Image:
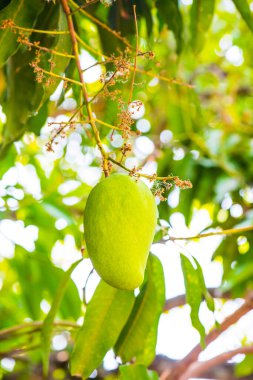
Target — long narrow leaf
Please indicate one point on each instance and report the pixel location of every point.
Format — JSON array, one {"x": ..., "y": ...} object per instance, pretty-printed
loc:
[
  {"x": 47, "y": 328},
  {"x": 201, "y": 17},
  {"x": 244, "y": 9},
  {"x": 208, "y": 298},
  {"x": 193, "y": 294},
  {"x": 138, "y": 338},
  {"x": 105, "y": 317},
  {"x": 169, "y": 14},
  {"x": 22, "y": 13}
]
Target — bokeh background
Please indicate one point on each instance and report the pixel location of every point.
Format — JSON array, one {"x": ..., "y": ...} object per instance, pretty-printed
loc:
[{"x": 202, "y": 132}]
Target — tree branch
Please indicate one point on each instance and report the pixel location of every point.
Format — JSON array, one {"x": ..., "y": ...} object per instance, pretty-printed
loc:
[
  {"x": 183, "y": 184},
  {"x": 199, "y": 368},
  {"x": 192, "y": 357}
]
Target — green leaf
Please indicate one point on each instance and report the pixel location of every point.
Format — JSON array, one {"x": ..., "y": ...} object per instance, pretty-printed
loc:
[
  {"x": 47, "y": 328},
  {"x": 36, "y": 122},
  {"x": 39, "y": 279},
  {"x": 193, "y": 294},
  {"x": 168, "y": 13},
  {"x": 25, "y": 96},
  {"x": 106, "y": 314},
  {"x": 62, "y": 44},
  {"x": 238, "y": 275},
  {"x": 244, "y": 9},
  {"x": 201, "y": 17},
  {"x": 22, "y": 13},
  {"x": 133, "y": 372},
  {"x": 138, "y": 338},
  {"x": 208, "y": 298}
]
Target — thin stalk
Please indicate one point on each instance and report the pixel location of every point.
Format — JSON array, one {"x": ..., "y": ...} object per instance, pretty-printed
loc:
[
  {"x": 135, "y": 56},
  {"x": 84, "y": 90},
  {"x": 230, "y": 231}
]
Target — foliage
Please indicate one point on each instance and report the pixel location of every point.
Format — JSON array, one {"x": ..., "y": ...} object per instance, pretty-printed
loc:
[{"x": 158, "y": 89}]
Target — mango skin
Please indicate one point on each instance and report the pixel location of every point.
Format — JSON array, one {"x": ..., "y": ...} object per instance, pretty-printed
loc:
[{"x": 120, "y": 218}]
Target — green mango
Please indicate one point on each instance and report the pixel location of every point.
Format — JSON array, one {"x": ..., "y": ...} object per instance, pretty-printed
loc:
[{"x": 120, "y": 218}]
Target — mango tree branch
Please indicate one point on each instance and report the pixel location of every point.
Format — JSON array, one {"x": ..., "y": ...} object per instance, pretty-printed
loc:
[
  {"x": 12, "y": 25},
  {"x": 199, "y": 368},
  {"x": 84, "y": 90},
  {"x": 192, "y": 357},
  {"x": 50, "y": 73},
  {"x": 84, "y": 6},
  {"x": 137, "y": 69},
  {"x": 153, "y": 177},
  {"x": 43, "y": 48}
]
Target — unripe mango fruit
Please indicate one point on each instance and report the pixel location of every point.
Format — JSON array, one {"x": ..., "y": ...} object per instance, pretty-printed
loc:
[{"x": 119, "y": 224}]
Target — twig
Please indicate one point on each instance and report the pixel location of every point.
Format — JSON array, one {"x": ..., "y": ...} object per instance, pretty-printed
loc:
[
  {"x": 63, "y": 125},
  {"x": 12, "y": 25},
  {"x": 18, "y": 351},
  {"x": 138, "y": 70},
  {"x": 192, "y": 357},
  {"x": 103, "y": 88},
  {"x": 84, "y": 90},
  {"x": 9, "y": 331},
  {"x": 106, "y": 124},
  {"x": 230, "y": 231},
  {"x": 135, "y": 56},
  {"x": 65, "y": 79},
  {"x": 198, "y": 368},
  {"x": 164, "y": 79},
  {"x": 89, "y": 48},
  {"x": 153, "y": 177},
  {"x": 43, "y": 48},
  {"x": 84, "y": 6},
  {"x": 113, "y": 59}
]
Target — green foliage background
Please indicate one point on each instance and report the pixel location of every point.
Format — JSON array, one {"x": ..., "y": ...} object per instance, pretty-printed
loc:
[{"x": 208, "y": 116}]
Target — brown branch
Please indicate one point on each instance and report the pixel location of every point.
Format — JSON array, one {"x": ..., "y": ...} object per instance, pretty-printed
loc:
[
  {"x": 192, "y": 357},
  {"x": 198, "y": 368}
]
